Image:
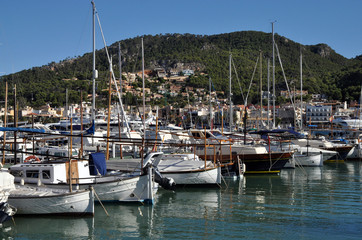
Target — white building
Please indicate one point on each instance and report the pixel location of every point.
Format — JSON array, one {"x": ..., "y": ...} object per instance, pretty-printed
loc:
[{"x": 318, "y": 114}]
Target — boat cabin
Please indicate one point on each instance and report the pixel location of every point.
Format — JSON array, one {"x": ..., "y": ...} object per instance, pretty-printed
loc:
[{"x": 52, "y": 172}]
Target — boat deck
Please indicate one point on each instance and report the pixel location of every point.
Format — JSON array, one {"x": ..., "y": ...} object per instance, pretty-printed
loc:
[
  {"x": 126, "y": 165},
  {"x": 164, "y": 165}
]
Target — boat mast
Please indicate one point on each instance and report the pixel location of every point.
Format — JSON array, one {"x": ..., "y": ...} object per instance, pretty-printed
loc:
[
  {"x": 66, "y": 104},
  {"x": 273, "y": 74},
  {"x": 5, "y": 120},
  {"x": 301, "y": 90},
  {"x": 109, "y": 109},
  {"x": 231, "y": 103},
  {"x": 268, "y": 94},
  {"x": 360, "y": 104},
  {"x": 143, "y": 89},
  {"x": 190, "y": 112},
  {"x": 144, "y": 105},
  {"x": 120, "y": 73},
  {"x": 261, "y": 89},
  {"x": 95, "y": 73},
  {"x": 15, "y": 123},
  {"x": 210, "y": 107}
]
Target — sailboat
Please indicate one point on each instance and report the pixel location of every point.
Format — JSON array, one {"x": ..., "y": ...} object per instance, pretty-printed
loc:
[{"x": 110, "y": 186}]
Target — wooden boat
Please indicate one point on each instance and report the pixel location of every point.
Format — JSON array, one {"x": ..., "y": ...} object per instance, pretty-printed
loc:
[
  {"x": 110, "y": 186},
  {"x": 47, "y": 201},
  {"x": 188, "y": 169},
  {"x": 257, "y": 159},
  {"x": 183, "y": 169}
]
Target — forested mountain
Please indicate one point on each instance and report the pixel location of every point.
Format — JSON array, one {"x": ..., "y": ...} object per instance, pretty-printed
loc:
[{"x": 324, "y": 71}]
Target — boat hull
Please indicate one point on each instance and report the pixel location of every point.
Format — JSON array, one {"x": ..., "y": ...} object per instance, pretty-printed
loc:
[
  {"x": 264, "y": 163},
  {"x": 33, "y": 202},
  {"x": 308, "y": 160},
  {"x": 134, "y": 189},
  {"x": 117, "y": 187},
  {"x": 343, "y": 152},
  {"x": 209, "y": 176},
  {"x": 6, "y": 212}
]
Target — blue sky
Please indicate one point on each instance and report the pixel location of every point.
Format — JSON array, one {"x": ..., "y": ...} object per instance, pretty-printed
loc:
[{"x": 37, "y": 32}]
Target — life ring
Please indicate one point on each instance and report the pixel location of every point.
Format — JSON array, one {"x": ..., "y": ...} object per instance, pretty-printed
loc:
[{"x": 31, "y": 158}]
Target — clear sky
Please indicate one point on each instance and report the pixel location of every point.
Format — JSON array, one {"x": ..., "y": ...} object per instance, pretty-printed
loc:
[{"x": 37, "y": 32}]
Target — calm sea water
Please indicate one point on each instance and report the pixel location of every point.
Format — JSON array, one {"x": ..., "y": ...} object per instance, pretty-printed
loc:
[{"x": 309, "y": 203}]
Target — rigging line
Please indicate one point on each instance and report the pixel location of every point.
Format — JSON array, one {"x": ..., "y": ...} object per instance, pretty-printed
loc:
[
  {"x": 104, "y": 41},
  {"x": 251, "y": 81},
  {"x": 285, "y": 79},
  {"x": 237, "y": 77},
  {"x": 113, "y": 76}
]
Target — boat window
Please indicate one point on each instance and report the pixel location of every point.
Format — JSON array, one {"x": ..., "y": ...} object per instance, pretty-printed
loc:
[
  {"x": 196, "y": 135},
  {"x": 208, "y": 135},
  {"x": 216, "y": 133},
  {"x": 46, "y": 174},
  {"x": 32, "y": 173},
  {"x": 16, "y": 173}
]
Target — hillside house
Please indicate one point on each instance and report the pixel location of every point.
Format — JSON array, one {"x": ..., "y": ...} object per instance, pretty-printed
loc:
[{"x": 187, "y": 72}]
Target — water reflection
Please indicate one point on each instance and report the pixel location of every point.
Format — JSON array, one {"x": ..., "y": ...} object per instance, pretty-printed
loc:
[
  {"x": 48, "y": 228},
  {"x": 302, "y": 174},
  {"x": 308, "y": 203},
  {"x": 207, "y": 200},
  {"x": 124, "y": 221}
]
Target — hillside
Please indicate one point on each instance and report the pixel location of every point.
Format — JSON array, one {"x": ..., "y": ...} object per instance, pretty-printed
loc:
[{"x": 324, "y": 71}]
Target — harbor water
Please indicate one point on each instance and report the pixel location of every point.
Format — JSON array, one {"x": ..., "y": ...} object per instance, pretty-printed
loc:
[{"x": 303, "y": 203}]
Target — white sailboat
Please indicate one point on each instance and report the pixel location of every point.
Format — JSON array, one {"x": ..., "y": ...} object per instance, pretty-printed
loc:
[
  {"x": 47, "y": 201},
  {"x": 308, "y": 160},
  {"x": 183, "y": 168},
  {"x": 188, "y": 169},
  {"x": 110, "y": 186}
]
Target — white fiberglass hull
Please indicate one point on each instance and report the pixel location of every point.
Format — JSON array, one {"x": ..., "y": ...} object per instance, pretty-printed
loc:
[
  {"x": 308, "y": 160},
  {"x": 33, "y": 201},
  {"x": 134, "y": 189},
  {"x": 201, "y": 177},
  {"x": 327, "y": 154}
]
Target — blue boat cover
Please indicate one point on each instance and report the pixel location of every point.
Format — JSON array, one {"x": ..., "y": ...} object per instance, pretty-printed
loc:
[
  {"x": 17, "y": 129},
  {"x": 97, "y": 164},
  {"x": 91, "y": 130},
  {"x": 264, "y": 133}
]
